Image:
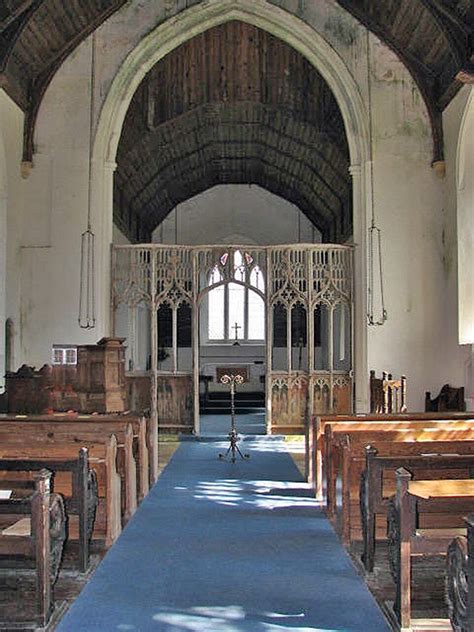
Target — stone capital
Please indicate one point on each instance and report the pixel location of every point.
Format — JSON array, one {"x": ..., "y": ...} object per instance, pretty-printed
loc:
[{"x": 355, "y": 171}]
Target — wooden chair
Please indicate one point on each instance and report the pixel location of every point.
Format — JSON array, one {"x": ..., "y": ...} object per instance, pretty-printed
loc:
[
  {"x": 387, "y": 395},
  {"x": 449, "y": 398}
]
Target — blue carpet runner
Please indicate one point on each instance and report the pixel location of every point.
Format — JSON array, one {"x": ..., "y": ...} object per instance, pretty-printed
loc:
[
  {"x": 249, "y": 424},
  {"x": 222, "y": 547}
]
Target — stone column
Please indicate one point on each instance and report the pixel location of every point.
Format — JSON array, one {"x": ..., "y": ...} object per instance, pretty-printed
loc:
[
  {"x": 359, "y": 325},
  {"x": 469, "y": 381},
  {"x": 102, "y": 226},
  {"x": 3, "y": 283}
]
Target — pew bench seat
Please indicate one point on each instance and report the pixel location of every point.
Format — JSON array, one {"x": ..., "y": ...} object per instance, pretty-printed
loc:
[{"x": 34, "y": 526}]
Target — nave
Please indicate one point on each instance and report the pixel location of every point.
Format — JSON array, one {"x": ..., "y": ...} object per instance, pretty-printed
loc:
[{"x": 222, "y": 547}]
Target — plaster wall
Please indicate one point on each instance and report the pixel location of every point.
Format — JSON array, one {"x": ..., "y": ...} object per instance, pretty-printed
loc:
[
  {"x": 118, "y": 237},
  {"x": 238, "y": 214},
  {"x": 11, "y": 227},
  {"x": 407, "y": 195},
  {"x": 458, "y": 190},
  {"x": 408, "y": 208}
]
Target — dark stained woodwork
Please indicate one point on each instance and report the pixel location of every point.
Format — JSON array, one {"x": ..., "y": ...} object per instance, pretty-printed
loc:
[
  {"x": 435, "y": 459},
  {"x": 460, "y": 579},
  {"x": 234, "y": 105},
  {"x": 434, "y": 38},
  {"x": 101, "y": 376},
  {"x": 449, "y": 398},
  {"x": 81, "y": 500}
]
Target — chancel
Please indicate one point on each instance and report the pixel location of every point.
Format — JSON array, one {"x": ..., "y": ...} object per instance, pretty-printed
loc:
[{"x": 277, "y": 191}]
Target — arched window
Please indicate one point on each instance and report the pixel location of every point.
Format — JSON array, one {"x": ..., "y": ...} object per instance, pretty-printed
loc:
[{"x": 236, "y": 312}]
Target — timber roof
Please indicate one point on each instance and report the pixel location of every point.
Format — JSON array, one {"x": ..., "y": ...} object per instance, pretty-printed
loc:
[{"x": 433, "y": 38}]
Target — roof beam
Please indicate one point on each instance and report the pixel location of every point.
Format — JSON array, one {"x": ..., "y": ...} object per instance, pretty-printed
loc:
[
  {"x": 455, "y": 20},
  {"x": 167, "y": 185},
  {"x": 216, "y": 143},
  {"x": 16, "y": 13}
]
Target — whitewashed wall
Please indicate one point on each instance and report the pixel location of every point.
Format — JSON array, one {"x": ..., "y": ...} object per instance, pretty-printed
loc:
[
  {"x": 408, "y": 197},
  {"x": 408, "y": 204},
  {"x": 239, "y": 214},
  {"x": 12, "y": 254},
  {"x": 459, "y": 358}
]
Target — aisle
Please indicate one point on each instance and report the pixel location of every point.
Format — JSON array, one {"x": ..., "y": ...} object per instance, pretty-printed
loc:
[
  {"x": 247, "y": 424},
  {"x": 224, "y": 547}
]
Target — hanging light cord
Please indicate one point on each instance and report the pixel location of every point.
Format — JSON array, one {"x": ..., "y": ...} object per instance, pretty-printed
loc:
[
  {"x": 375, "y": 235},
  {"x": 86, "y": 317}
]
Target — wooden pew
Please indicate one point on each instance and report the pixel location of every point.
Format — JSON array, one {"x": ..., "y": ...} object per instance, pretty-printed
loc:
[
  {"x": 141, "y": 436},
  {"x": 41, "y": 538},
  {"x": 451, "y": 499},
  {"x": 436, "y": 459},
  {"x": 81, "y": 500},
  {"x": 102, "y": 459},
  {"x": 346, "y": 451},
  {"x": 314, "y": 453},
  {"x": 50, "y": 432},
  {"x": 459, "y": 568},
  {"x": 351, "y": 463},
  {"x": 145, "y": 446}
]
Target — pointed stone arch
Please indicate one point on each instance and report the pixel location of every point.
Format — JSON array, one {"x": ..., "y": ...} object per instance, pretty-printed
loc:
[
  {"x": 465, "y": 222},
  {"x": 308, "y": 42}
]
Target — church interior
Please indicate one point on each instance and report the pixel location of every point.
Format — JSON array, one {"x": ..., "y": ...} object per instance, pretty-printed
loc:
[{"x": 237, "y": 303}]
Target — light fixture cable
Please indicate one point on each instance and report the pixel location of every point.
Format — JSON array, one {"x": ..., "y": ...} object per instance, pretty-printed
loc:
[
  {"x": 86, "y": 318},
  {"x": 375, "y": 234}
]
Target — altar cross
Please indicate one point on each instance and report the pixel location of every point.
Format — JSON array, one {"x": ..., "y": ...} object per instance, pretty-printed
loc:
[{"x": 236, "y": 327}]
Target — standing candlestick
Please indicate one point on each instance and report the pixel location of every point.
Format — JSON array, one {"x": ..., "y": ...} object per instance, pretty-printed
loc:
[{"x": 233, "y": 448}]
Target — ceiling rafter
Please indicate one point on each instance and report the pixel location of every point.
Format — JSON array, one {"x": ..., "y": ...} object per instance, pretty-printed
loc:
[
  {"x": 295, "y": 196},
  {"x": 438, "y": 66},
  {"x": 255, "y": 113},
  {"x": 433, "y": 67},
  {"x": 314, "y": 154},
  {"x": 41, "y": 82},
  {"x": 165, "y": 182},
  {"x": 19, "y": 9},
  {"x": 305, "y": 135}
]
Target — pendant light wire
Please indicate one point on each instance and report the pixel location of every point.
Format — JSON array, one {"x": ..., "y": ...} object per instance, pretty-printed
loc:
[
  {"x": 86, "y": 317},
  {"x": 375, "y": 234}
]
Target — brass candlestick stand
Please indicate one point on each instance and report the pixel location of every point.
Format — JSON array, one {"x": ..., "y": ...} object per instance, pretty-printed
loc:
[{"x": 233, "y": 448}]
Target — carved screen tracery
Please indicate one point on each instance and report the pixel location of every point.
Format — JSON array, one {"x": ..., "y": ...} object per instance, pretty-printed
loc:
[{"x": 311, "y": 284}]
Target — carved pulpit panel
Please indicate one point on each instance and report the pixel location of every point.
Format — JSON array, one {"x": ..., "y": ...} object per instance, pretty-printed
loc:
[{"x": 101, "y": 376}]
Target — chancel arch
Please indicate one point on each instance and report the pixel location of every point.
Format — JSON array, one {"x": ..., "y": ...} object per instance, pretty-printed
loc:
[
  {"x": 319, "y": 54},
  {"x": 465, "y": 223}
]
